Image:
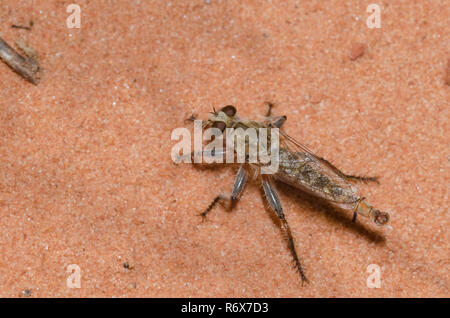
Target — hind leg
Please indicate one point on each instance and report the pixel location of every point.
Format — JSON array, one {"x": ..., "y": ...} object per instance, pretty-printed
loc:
[
  {"x": 275, "y": 205},
  {"x": 349, "y": 176},
  {"x": 361, "y": 178}
]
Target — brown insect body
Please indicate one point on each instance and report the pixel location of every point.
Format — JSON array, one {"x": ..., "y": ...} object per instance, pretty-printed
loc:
[
  {"x": 302, "y": 169},
  {"x": 298, "y": 167}
]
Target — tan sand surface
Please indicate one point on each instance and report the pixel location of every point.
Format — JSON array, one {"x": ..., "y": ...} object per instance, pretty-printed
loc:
[{"x": 86, "y": 176}]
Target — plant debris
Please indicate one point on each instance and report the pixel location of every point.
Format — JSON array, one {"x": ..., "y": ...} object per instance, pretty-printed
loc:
[{"x": 26, "y": 66}]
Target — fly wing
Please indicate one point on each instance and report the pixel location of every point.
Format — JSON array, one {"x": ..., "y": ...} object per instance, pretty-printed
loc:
[
  {"x": 315, "y": 174},
  {"x": 296, "y": 146}
]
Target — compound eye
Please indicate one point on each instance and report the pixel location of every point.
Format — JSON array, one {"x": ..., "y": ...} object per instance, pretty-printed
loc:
[
  {"x": 229, "y": 110},
  {"x": 219, "y": 124}
]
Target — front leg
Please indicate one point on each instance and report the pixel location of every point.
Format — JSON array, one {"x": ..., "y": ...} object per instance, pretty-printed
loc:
[
  {"x": 270, "y": 105},
  {"x": 205, "y": 154},
  {"x": 238, "y": 187},
  {"x": 191, "y": 119},
  {"x": 275, "y": 204}
]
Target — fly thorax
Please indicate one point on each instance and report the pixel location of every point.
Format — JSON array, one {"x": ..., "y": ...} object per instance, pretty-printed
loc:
[{"x": 221, "y": 116}]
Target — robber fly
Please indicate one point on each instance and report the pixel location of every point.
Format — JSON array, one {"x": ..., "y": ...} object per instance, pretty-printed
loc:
[{"x": 298, "y": 167}]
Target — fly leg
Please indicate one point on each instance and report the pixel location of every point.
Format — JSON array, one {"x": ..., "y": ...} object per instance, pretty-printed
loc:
[
  {"x": 349, "y": 176},
  {"x": 276, "y": 121},
  {"x": 275, "y": 204},
  {"x": 238, "y": 187},
  {"x": 279, "y": 121},
  {"x": 209, "y": 155},
  {"x": 190, "y": 119},
  {"x": 362, "y": 178},
  {"x": 269, "y": 109}
]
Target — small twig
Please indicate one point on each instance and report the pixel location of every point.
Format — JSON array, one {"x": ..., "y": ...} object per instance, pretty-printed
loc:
[
  {"x": 15, "y": 26},
  {"x": 26, "y": 67},
  {"x": 24, "y": 27}
]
